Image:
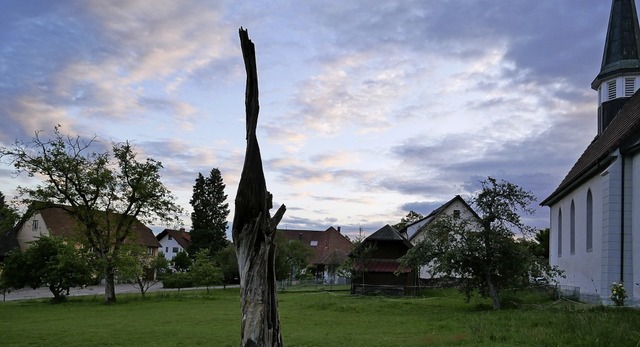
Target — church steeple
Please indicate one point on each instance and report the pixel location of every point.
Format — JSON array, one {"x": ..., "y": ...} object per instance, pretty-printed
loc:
[{"x": 619, "y": 75}]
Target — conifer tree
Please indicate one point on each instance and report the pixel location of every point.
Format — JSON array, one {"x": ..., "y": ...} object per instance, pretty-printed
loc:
[{"x": 209, "y": 216}]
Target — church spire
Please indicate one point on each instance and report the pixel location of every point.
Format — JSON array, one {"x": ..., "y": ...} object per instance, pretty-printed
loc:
[{"x": 619, "y": 75}]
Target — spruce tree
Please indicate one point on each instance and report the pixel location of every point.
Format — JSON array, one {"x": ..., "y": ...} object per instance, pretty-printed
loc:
[{"x": 209, "y": 216}]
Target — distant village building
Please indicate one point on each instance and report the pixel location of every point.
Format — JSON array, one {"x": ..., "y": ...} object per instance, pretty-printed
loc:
[
  {"x": 330, "y": 250},
  {"x": 380, "y": 271},
  {"x": 595, "y": 211},
  {"x": 55, "y": 221},
  {"x": 173, "y": 242},
  {"x": 416, "y": 231}
]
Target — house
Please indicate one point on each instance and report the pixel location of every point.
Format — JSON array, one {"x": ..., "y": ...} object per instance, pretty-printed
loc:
[
  {"x": 330, "y": 250},
  {"x": 55, "y": 221},
  {"x": 595, "y": 211},
  {"x": 416, "y": 231},
  {"x": 379, "y": 270},
  {"x": 173, "y": 241}
]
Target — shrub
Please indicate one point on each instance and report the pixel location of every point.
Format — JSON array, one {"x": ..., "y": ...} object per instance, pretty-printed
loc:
[{"x": 178, "y": 280}]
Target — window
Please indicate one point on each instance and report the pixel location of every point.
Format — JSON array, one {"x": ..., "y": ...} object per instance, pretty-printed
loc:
[
  {"x": 314, "y": 243},
  {"x": 34, "y": 225},
  {"x": 629, "y": 86},
  {"x": 572, "y": 228},
  {"x": 456, "y": 214},
  {"x": 611, "y": 90},
  {"x": 175, "y": 250},
  {"x": 170, "y": 238},
  {"x": 166, "y": 249},
  {"x": 560, "y": 233},
  {"x": 589, "y": 221},
  {"x": 150, "y": 251}
]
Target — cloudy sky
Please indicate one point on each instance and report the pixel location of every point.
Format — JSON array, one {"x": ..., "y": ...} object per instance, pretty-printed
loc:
[{"x": 369, "y": 109}]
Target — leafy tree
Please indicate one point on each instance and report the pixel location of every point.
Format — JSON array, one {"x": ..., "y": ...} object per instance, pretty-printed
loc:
[
  {"x": 140, "y": 268},
  {"x": 8, "y": 215},
  {"x": 408, "y": 219},
  {"x": 50, "y": 262},
  {"x": 181, "y": 262},
  {"x": 292, "y": 256},
  {"x": 541, "y": 245},
  {"x": 105, "y": 192},
  {"x": 204, "y": 272},
  {"x": 227, "y": 260},
  {"x": 483, "y": 254},
  {"x": 209, "y": 216}
]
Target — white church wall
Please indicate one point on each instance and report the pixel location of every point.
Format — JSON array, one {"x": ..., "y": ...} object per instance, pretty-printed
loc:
[
  {"x": 582, "y": 267},
  {"x": 634, "y": 200}
]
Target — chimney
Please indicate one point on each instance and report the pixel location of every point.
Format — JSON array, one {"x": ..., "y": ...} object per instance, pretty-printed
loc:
[
  {"x": 182, "y": 229},
  {"x": 338, "y": 229}
]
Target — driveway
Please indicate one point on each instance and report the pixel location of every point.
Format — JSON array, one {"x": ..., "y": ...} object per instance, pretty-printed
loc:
[{"x": 28, "y": 293}]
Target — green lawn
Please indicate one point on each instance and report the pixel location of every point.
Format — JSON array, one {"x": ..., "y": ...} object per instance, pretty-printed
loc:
[{"x": 439, "y": 318}]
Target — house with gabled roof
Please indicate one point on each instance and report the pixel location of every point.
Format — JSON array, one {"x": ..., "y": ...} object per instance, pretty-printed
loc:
[
  {"x": 330, "y": 250},
  {"x": 173, "y": 242},
  {"x": 415, "y": 232},
  {"x": 595, "y": 210},
  {"x": 381, "y": 271},
  {"x": 55, "y": 221}
]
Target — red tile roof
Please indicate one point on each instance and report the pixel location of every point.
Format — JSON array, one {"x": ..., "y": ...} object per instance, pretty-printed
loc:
[
  {"x": 381, "y": 265},
  {"x": 330, "y": 246},
  {"x": 60, "y": 223},
  {"x": 181, "y": 236}
]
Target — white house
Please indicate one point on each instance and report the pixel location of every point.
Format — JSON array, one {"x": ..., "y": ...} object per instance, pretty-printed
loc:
[
  {"x": 416, "y": 231},
  {"x": 173, "y": 242},
  {"x": 595, "y": 211}
]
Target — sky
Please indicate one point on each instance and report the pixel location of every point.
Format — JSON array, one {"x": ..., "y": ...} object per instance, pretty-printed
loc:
[{"x": 368, "y": 109}]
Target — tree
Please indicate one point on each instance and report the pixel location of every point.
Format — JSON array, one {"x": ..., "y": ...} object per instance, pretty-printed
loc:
[
  {"x": 140, "y": 268},
  {"x": 254, "y": 229},
  {"x": 204, "y": 272},
  {"x": 209, "y": 216},
  {"x": 408, "y": 219},
  {"x": 484, "y": 254},
  {"x": 292, "y": 256},
  {"x": 181, "y": 262},
  {"x": 8, "y": 215},
  {"x": 227, "y": 261},
  {"x": 105, "y": 192},
  {"x": 357, "y": 263},
  {"x": 50, "y": 262}
]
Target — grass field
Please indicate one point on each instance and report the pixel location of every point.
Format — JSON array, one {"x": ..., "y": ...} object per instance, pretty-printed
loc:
[{"x": 438, "y": 318}]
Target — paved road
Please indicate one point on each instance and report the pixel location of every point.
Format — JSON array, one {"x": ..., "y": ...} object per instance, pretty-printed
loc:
[{"x": 28, "y": 293}]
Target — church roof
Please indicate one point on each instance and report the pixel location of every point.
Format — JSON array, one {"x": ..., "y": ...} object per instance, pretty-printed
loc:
[
  {"x": 625, "y": 126},
  {"x": 622, "y": 45}
]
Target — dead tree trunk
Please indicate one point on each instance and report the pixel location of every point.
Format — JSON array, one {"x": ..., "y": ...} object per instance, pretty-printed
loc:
[{"x": 253, "y": 228}]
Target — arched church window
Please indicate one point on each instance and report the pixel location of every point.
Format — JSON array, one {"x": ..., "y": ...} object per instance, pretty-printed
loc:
[
  {"x": 589, "y": 221},
  {"x": 572, "y": 228},
  {"x": 559, "y": 232}
]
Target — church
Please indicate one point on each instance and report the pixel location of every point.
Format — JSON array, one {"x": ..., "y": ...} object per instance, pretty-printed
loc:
[{"x": 595, "y": 211}]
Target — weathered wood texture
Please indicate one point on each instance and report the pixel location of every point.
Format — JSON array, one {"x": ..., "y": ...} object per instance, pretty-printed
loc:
[{"x": 254, "y": 229}]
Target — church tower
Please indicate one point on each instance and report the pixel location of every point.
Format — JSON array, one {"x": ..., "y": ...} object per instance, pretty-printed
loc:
[{"x": 619, "y": 76}]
